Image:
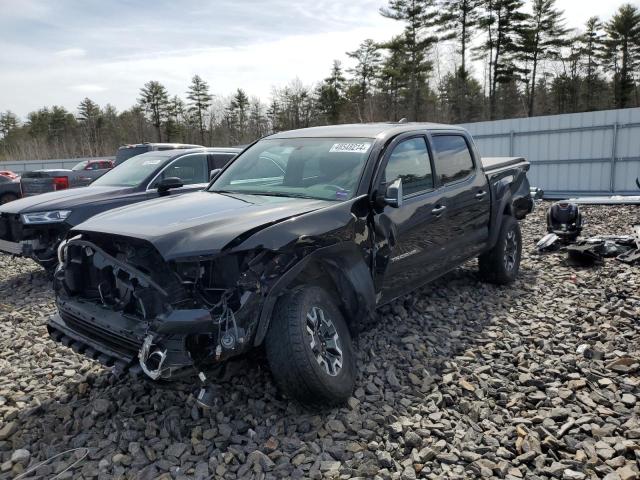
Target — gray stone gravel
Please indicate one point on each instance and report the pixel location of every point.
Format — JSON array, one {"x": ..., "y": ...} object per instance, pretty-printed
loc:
[{"x": 460, "y": 380}]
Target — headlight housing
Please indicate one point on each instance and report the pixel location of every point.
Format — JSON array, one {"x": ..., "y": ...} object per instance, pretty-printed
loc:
[{"x": 53, "y": 216}]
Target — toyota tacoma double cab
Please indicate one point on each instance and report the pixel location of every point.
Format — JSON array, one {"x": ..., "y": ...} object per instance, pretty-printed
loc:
[{"x": 292, "y": 246}]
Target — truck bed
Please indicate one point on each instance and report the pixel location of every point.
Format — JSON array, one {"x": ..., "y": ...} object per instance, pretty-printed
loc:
[{"x": 495, "y": 163}]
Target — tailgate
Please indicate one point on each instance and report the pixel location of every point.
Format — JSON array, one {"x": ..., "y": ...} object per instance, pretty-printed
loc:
[{"x": 36, "y": 184}]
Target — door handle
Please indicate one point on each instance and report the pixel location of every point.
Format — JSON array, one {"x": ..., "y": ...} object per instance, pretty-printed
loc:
[
  {"x": 480, "y": 195},
  {"x": 439, "y": 210}
]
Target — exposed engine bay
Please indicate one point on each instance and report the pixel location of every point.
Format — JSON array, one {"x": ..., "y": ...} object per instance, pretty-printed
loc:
[{"x": 175, "y": 315}]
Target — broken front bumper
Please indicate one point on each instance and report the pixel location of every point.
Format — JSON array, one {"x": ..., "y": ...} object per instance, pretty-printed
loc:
[
  {"x": 14, "y": 248},
  {"x": 118, "y": 340}
]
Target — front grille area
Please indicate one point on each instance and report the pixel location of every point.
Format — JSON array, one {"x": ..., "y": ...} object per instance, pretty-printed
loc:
[
  {"x": 10, "y": 227},
  {"x": 112, "y": 340}
]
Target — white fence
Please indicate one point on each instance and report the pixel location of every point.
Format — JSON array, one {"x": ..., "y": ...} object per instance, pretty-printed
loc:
[
  {"x": 19, "y": 166},
  {"x": 595, "y": 153}
]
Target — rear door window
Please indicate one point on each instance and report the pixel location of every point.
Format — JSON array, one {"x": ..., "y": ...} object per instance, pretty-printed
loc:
[
  {"x": 452, "y": 158},
  {"x": 221, "y": 159}
]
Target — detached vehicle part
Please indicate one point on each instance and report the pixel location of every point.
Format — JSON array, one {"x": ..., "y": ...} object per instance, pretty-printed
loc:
[
  {"x": 565, "y": 220},
  {"x": 293, "y": 246}
]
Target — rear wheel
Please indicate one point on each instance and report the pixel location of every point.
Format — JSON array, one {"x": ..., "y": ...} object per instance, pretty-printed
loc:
[
  {"x": 501, "y": 264},
  {"x": 8, "y": 197},
  {"x": 309, "y": 348}
]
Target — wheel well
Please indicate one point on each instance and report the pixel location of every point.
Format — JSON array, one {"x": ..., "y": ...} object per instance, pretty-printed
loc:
[{"x": 335, "y": 283}]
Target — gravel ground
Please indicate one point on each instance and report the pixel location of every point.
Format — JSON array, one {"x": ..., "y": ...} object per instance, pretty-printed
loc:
[{"x": 461, "y": 380}]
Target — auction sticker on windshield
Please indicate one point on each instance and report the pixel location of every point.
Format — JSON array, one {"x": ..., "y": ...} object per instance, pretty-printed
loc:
[{"x": 350, "y": 147}]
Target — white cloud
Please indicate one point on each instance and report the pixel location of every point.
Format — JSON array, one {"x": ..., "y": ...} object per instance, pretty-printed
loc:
[
  {"x": 71, "y": 53},
  {"x": 88, "y": 88}
]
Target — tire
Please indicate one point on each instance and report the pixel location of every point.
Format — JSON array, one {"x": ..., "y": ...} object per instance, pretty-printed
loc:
[
  {"x": 315, "y": 378},
  {"x": 501, "y": 264},
  {"x": 7, "y": 197}
]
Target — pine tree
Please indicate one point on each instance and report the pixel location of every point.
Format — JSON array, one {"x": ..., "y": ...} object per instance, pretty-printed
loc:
[
  {"x": 368, "y": 58},
  {"x": 90, "y": 119},
  {"x": 592, "y": 53},
  {"x": 393, "y": 78},
  {"x": 458, "y": 20},
  {"x": 502, "y": 21},
  {"x": 199, "y": 102},
  {"x": 542, "y": 37},
  {"x": 238, "y": 115},
  {"x": 331, "y": 92},
  {"x": 623, "y": 47},
  {"x": 8, "y": 122},
  {"x": 173, "y": 125},
  {"x": 154, "y": 99},
  {"x": 418, "y": 16}
]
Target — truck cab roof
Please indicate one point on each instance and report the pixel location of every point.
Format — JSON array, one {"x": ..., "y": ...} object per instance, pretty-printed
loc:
[{"x": 363, "y": 130}]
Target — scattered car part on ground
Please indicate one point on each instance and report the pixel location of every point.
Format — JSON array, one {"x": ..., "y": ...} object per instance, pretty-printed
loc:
[
  {"x": 549, "y": 243},
  {"x": 34, "y": 226},
  {"x": 126, "y": 152},
  {"x": 565, "y": 220},
  {"x": 9, "y": 190},
  {"x": 294, "y": 245}
]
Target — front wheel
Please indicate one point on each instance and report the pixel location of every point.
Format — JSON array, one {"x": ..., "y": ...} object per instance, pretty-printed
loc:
[
  {"x": 501, "y": 264},
  {"x": 309, "y": 348}
]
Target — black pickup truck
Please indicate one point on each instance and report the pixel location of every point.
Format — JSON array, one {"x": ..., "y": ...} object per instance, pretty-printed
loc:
[
  {"x": 293, "y": 245},
  {"x": 34, "y": 226}
]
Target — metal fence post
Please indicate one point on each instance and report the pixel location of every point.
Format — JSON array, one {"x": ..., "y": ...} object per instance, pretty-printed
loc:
[
  {"x": 512, "y": 135},
  {"x": 614, "y": 152}
]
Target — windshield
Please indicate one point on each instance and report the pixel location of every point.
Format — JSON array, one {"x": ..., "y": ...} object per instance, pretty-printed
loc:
[
  {"x": 80, "y": 166},
  {"x": 322, "y": 168},
  {"x": 125, "y": 153},
  {"x": 133, "y": 172}
]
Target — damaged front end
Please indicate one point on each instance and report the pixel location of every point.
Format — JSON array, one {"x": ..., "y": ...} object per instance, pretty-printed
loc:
[
  {"x": 32, "y": 241},
  {"x": 121, "y": 302}
]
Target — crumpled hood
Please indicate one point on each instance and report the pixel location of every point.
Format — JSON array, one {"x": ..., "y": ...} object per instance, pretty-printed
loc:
[
  {"x": 63, "y": 199},
  {"x": 198, "y": 223}
]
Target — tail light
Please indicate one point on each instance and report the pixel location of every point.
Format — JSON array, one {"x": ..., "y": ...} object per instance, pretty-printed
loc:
[{"x": 60, "y": 183}]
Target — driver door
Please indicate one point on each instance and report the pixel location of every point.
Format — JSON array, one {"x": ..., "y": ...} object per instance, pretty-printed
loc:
[{"x": 408, "y": 238}]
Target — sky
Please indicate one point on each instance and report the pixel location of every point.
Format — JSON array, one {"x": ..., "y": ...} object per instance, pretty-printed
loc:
[{"x": 58, "y": 52}]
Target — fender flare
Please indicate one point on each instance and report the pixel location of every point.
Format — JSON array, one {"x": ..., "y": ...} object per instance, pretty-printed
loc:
[
  {"x": 505, "y": 205},
  {"x": 349, "y": 273}
]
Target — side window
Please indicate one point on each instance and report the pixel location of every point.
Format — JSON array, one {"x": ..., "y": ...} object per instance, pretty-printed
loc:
[
  {"x": 410, "y": 162},
  {"x": 452, "y": 158},
  {"x": 191, "y": 169},
  {"x": 221, "y": 159}
]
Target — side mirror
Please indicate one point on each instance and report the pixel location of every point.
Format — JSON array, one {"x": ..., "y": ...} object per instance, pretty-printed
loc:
[
  {"x": 214, "y": 173},
  {"x": 168, "y": 183},
  {"x": 393, "y": 195}
]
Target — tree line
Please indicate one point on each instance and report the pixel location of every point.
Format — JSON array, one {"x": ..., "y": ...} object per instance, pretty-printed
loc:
[{"x": 503, "y": 61}]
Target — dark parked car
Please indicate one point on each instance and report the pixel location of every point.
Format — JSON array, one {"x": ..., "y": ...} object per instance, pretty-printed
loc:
[
  {"x": 9, "y": 189},
  {"x": 52, "y": 180},
  {"x": 125, "y": 152},
  {"x": 294, "y": 245},
  {"x": 34, "y": 226}
]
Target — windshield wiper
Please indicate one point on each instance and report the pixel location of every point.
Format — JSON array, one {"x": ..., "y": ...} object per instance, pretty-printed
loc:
[{"x": 266, "y": 194}]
